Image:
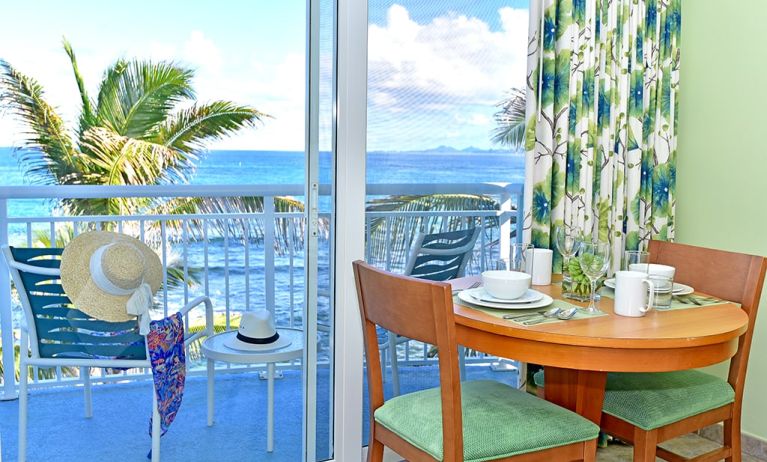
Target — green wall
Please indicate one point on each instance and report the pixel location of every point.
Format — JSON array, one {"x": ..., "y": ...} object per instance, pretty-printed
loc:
[{"x": 722, "y": 161}]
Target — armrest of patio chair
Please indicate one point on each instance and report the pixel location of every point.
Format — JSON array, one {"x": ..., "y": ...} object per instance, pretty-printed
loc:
[
  {"x": 208, "y": 331},
  {"x": 23, "y": 267}
]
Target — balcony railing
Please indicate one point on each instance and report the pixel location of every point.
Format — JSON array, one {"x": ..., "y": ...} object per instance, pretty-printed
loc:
[{"x": 237, "y": 258}]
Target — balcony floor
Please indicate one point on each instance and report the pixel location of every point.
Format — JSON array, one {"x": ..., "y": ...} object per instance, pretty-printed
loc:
[{"x": 119, "y": 428}]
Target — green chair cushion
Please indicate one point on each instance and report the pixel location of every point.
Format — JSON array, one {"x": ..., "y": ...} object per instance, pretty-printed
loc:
[
  {"x": 655, "y": 399},
  {"x": 652, "y": 400},
  {"x": 498, "y": 421}
]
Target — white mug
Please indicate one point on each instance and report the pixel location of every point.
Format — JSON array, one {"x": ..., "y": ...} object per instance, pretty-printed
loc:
[
  {"x": 539, "y": 262},
  {"x": 634, "y": 293}
]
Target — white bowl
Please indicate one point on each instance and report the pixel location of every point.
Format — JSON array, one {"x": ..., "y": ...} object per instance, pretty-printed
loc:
[
  {"x": 506, "y": 285},
  {"x": 654, "y": 269}
]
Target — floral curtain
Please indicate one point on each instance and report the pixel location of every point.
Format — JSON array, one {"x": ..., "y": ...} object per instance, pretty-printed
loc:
[{"x": 602, "y": 109}]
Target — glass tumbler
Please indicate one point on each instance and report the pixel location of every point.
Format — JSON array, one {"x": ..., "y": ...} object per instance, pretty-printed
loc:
[
  {"x": 664, "y": 290},
  {"x": 634, "y": 257}
]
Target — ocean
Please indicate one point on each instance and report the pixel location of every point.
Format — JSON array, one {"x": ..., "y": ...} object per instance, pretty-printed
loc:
[{"x": 287, "y": 167}]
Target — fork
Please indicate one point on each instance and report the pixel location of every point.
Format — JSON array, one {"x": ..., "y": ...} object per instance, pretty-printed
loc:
[
  {"x": 473, "y": 286},
  {"x": 522, "y": 316}
]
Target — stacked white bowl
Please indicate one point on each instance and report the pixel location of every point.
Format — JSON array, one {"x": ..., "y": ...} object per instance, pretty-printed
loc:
[{"x": 506, "y": 285}]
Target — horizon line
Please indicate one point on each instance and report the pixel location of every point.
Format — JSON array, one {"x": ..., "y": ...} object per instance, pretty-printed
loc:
[{"x": 439, "y": 149}]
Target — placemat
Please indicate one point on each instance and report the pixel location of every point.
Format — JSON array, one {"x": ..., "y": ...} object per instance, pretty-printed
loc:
[
  {"x": 678, "y": 302},
  {"x": 532, "y": 316}
]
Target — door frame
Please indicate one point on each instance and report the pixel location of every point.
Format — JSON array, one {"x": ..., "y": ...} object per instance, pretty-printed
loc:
[{"x": 350, "y": 97}]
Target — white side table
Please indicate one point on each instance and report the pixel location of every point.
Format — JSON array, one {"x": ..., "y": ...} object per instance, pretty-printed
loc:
[{"x": 214, "y": 350}]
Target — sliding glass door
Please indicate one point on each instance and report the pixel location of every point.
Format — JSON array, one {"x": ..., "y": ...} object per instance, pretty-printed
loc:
[
  {"x": 442, "y": 79},
  {"x": 205, "y": 129}
]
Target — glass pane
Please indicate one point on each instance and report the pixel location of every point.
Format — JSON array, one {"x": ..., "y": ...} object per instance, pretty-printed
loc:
[
  {"x": 209, "y": 94},
  {"x": 325, "y": 280},
  {"x": 441, "y": 76}
]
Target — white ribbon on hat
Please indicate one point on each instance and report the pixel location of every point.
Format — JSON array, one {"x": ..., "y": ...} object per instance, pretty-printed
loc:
[{"x": 141, "y": 297}]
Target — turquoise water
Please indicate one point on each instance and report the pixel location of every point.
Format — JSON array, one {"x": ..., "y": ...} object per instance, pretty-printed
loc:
[
  {"x": 281, "y": 167},
  {"x": 287, "y": 167}
]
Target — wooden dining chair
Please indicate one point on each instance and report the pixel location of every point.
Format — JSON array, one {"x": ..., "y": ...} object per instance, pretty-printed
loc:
[
  {"x": 649, "y": 408},
  {"x": 436, "y": 257},
  {"x": 473, "y": 421}
]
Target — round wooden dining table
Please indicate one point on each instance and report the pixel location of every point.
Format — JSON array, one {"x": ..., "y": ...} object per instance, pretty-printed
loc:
[{"x": 578, "y": 354}]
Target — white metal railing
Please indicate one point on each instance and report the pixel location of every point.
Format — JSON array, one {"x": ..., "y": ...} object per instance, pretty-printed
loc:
[{"x": 236, "y": 266}]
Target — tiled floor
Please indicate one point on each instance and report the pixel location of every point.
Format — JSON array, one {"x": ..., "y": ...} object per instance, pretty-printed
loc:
[{"x": 688, "y": 446}]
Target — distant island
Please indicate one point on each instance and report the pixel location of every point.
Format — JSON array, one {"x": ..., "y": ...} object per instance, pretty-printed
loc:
[{"x": 450, "y": 150}]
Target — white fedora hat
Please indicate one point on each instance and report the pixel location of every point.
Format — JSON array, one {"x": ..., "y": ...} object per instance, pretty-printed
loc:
[
  {"x": 257, "y": 333},
  {"x": 111, "y": 276}
]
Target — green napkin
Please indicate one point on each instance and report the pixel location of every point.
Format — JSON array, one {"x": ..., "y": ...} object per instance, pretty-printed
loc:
[
  {"x": 679, "y": 302},
  {"x": 533, "y": 314}
]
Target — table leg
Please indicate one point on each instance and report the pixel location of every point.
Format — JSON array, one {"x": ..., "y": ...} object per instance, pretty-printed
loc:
[
  {"x": 580, "y": 391},
  {"x": 211, "y": 376},
  {"x": 270, "y": 407}
]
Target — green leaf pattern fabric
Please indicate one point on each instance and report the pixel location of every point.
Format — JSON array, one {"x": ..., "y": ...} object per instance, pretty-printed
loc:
[{"x": 602, "y": 107}]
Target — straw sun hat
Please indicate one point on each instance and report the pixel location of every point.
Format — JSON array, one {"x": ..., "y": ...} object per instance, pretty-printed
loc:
[{"x": 111, "y": 276}]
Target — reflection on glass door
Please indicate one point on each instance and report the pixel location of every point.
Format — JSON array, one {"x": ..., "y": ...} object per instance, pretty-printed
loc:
[{"x": 444, "y": 161}]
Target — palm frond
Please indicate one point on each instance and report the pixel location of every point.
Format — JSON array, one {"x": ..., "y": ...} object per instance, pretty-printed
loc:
[
  {"x": 120, "y": 160},
  {"x": 190, "y": 128},
  {"x": 47, "y": 154},
  {"x": 510, "y": 120},
  {"x": 136, "y": 96},
  {"x": 289, "y": 231},
  {"x": 87, "y": 117}
]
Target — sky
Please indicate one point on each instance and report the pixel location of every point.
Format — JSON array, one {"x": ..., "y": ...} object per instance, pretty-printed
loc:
[{"x": 436, "y": 69}]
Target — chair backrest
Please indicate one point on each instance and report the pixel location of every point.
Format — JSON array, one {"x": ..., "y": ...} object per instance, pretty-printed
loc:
[
  {"x": 441, "y": 256},
  {"x": 421, "y": 310},
  {"x": 56, "y": 328},
  {"x": 731, "y": 276}
]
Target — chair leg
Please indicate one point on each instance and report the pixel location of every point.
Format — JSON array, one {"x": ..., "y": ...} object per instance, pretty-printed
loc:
[
  {"x": 155, "y": 428},
  {"x": 645, "y": 443},
  {"x": 462, "y": 362},
  {"x": 590, "y": 451},
  {"x": 211, "y": 388},
  {"x": 23, "y": 377},
  {"x": 732, "y": 439},
  {"x": 375, "y": 450},
  {"x": 394, "y": 363},
  {"x": 85, "y": 373}
]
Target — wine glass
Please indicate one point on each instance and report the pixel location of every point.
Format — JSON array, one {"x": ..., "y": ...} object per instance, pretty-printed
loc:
[
  {"x": 567, "y": 243},
  {"x": 594, "y": 258}
]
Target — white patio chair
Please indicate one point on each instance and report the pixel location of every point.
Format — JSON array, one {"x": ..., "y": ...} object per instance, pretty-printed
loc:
[
  {"x": 56, "y": 334},
  {"x": 435, "y": 257}
]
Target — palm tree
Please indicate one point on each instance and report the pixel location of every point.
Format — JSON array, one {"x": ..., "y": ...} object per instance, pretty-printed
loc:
[{"x": 143, "y": 128}]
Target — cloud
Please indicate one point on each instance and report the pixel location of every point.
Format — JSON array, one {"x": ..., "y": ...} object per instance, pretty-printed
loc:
[
  {"x": 274, "y": 85},
  {"x": 428, "y": 80},
  {"x": 476, "y": 118},
  {"x": 275, "y": 88},
  {"x": 452, "y": 59},
  {"x": 446, "y": 75},
  {"x": 201, "y": 52}
]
